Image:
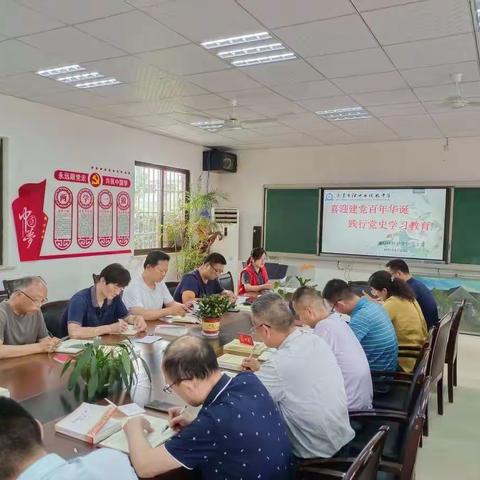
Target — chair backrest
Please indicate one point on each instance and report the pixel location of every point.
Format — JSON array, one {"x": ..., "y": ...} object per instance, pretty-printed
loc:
[
  {"x": 413, "y": 432},
  {"x": 439, "y": 349},
  {"x": 11, "y": 285},
  {"x": 452, "y": 344},
  {"x": 52, "y": 314},
  {"x": 358, "y": 287},
  {"x": 171, "y": 286},
  {"x": 276, "y": 271},
  {"x": 365, "y": 466},
  {"x": 418, "y": 379},
  {"x": 226, "y": 281}
]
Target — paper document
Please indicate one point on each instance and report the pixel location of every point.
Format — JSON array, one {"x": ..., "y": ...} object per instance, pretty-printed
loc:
[
  {"x": 131, "y": 409},
  {"x": 72, "y": 346},
  {"x": 185, "y": 319},
  {"x": 148, "y": 339},
  {"x": 231, "y": 362}
]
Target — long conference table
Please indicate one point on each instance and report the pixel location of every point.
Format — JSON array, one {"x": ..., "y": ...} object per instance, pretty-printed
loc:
[{"x": 34, "y": 381}]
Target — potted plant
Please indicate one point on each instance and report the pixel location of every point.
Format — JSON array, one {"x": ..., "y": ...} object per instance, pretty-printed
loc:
[
  {"x": 103, "y": 369},
  {"x": 210, "y": 309}
]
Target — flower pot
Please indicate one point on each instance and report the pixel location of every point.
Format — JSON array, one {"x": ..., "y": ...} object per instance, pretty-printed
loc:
[{"x": 211, "y": 327}]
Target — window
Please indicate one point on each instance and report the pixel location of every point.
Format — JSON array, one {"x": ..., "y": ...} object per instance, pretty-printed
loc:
[
  {"x": 1, "y": 202},
  {"x": 159, "y": 191}
]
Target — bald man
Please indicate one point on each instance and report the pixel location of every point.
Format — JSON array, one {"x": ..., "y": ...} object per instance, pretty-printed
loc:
[{"x": 22, "y": 327}]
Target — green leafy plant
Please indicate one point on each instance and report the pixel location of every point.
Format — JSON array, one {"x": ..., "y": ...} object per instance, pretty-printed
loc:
[
  {"x": 303, "y": 282},
  {"x": 213, "y": 306},
  {"x": 279, "y": 288},
  {"x": 102, "y": 369},
  {"x": 190, "y": 230}
]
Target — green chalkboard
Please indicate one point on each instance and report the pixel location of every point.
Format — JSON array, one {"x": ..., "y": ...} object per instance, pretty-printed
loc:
[
  {"x": 291, "y": 220},
  {"x": 466, "y": 226}
]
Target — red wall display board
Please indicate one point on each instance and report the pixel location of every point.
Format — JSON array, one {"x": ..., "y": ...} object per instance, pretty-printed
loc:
[{"x": 74, "y": 214}]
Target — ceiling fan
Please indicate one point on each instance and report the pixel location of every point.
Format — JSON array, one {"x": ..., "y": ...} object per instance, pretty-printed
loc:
[{"x": 458, "y": 100}]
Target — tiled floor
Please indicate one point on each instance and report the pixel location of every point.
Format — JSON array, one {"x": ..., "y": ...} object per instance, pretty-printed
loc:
[{"x": 452, "y": 450}]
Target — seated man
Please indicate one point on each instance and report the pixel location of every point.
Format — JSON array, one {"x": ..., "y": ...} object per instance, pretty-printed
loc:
[
  {"x": 147, "y": 295},
  {"x": 22, "y": 328},
  {"x": 399, "y": 269},
  {"x": 310, "y": 308},
  {"x": 203, "y": 281},
  {"x": 99, "y": 310},
  {"x": 238, "y": 432},
  {"x": 370, "y": 324},
  {"x": 23, "y": 456},
  {"x": 304, "y": 380}
]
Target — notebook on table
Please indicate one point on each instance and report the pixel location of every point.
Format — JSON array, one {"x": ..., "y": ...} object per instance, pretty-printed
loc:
[
  {"x": 238, "y": 348},
  {"x": 72, "y": 346},
  {"x": 185, "y": 319},
  {"x": 131, "y": 330},
  {"x": 230, "y": 362}
]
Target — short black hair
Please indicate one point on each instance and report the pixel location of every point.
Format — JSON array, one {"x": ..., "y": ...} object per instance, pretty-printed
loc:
[
  {"x": 154, "y": 257},
  {"x": 117, "y": 274},
  {"x": 301, "y": 292},
  {"x": 188, "y": 358},
  {"x": 273, "y": 310},
  {"x": 394, "y": 286},
  {"x": 336, "y": 290},
  {"x": 214, "y": 258},
  {"x": 20, "y": 437},
  {"x": 398, "y": 265}
]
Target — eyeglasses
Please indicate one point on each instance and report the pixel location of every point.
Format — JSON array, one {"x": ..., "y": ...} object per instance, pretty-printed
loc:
[
  {"x": 36, "y": 302},
  {"x": 332, "y": 310},
  {"x": 254, "y": 328},
  {"x": 168, "y": 388},
  {"x": 218, "y": 271}
]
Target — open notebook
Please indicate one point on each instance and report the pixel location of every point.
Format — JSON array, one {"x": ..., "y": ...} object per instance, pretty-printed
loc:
[
  {"x": 179, "y": 319},
  {"x": 230, "y": 362},
  {"x": 72, "y": 346},
  {"x": 242, "y": 349}
]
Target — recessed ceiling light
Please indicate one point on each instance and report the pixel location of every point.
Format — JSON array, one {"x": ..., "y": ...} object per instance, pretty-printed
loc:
[
  {"x": 266, "y": 59},
  {"x": 350, "y": 113},
  {"x": 251, "y": 50},
  {"x": 211, "y": 126},
  {"x": 98, "y": 83},
  {"x": 80, "y": 77},
  {"x": 225, "y": 42},
  {"x": 50, "y": 72}
]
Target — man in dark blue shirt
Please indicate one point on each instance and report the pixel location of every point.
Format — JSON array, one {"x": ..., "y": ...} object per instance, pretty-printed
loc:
[
  {"x": 203, "y": 281},
  {"x": 99, "y": 310},
  {"x": 398, "y": 268},
  {"x": 238, "y": 433}
]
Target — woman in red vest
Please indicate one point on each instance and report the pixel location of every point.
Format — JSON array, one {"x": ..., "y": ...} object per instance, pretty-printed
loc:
[{"x": 254, "y": 277}]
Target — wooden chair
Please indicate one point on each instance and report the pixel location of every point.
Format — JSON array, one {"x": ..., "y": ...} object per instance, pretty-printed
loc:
[
  {"x": 364, "y": 467},
  {"x": 52, "y": 314},
  {"x": 452, "y": 351}
]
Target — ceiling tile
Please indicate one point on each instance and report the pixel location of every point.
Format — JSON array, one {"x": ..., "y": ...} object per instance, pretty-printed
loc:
[
  {"x": 202, "y": 102},
  {"x": 340, "y": 34},
  {"x": 371, "y": 83},
  {"x": 278, "y": 13},
  {"x": 277, "y": 109},
  {"x": 328, "y": 103},
  {"x": 223, "y": 81},
  {"x": 133, "y": 109},
  {"x": 193, "y": 19},
  {"x": 364, "y": 5},
  {"x": 272, "y": 130},
  {"x": 440, "y": 92},
  {"x": 73, "y": 11},
  {"x": 336, "y": 136},
  {"x": 72, "y": 45},
  {"x": 76, "y": 97},
  {"x": 243, "y": 113},
  {"x": 459, "y": 123},
  {"x": 419, "y": 20},
  {"x": 185, "y": 60},
  {"x": 393, "y": 110},
  {"x": 155, "y": 120},
  {"x": 16, "y": 57},
  {"x": 133, "y": 32},
  {"x": 360, "y": 62},
  {"x": 30, "y": 84},
  {"x": 385, "y": 98},
  {"x": 308, "y": 122},
  {"x": 305, "y": 90},
  {"x": 425, "y": 53},
  {"x": 367, "y": 126},
  {"x": 439, "y": 107},
  {"x": 441, "y": 74},
  {"x": 16, "y": 20},
  {"x": 126, "y": 69},
  {"x": 418, "y": 126}
]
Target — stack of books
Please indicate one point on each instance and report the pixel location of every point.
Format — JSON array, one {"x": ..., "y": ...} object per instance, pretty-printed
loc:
[{"x": 243, "y": 349}]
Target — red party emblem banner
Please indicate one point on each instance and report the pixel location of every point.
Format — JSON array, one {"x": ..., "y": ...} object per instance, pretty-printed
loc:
[
  {"x": 63, "y": 218},
  {"x": 105, "y": 218},
  {"x": 123, "y": 218},
  {"x": 68, "y": 176},
  {"x": 246, "y": 339},
  {"x": 85, "y": 218}
]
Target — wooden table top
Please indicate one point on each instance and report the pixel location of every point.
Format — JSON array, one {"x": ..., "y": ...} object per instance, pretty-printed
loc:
[{"x": 35, "y": 382}]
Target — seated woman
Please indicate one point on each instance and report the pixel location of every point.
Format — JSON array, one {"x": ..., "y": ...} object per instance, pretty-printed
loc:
[
  {"x": 254, "y": 277},
  {"x": 404, "y": 311},
  {"x": 99, "y": 310}
]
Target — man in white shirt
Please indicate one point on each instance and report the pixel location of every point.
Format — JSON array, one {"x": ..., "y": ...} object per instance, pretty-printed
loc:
[
  {"x": 23, "y": 457},
  {"x": 310, "y": 308},
  {"x": 147, "y": 295},
  {"x": 304, "y": 380}
]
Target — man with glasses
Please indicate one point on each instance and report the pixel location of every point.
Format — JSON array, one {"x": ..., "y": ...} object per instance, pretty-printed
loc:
[
  {"x": 304, "y": 380},
  {"x": 22, "y": 327},
  {"x": 99, "y": 310},
  {"x": 203, "y": 281},
  {"x": 370, "y": 324},
  {"x": 238, "y": 432}
]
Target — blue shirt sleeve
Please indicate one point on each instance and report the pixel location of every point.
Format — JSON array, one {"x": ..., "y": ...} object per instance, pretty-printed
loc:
[
  {"x": 121, "y": 311},
  {"x": 77, "y": 310},
  {"x": 196, "y": 443},
  {"x": 217, "y": 287},
  {"x": 189, "y": 282}
]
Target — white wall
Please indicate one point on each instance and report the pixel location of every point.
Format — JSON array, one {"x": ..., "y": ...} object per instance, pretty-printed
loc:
[
  {"x": 39, "y": 138},
  {"x": 394, "y": 163}
]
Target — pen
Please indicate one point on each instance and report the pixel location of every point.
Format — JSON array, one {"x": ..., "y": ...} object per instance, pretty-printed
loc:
[{"x": 168, "y": 426}]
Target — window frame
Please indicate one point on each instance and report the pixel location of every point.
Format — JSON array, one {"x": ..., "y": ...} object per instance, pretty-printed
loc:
[
  {"x": 163, "y": 169},
  {"x": 2, "y": 193}
]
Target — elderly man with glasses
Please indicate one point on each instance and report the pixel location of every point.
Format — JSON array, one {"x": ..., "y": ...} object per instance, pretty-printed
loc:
[
  {"x": 238, "y": 432},
  {"x": 22, "y": 327}
]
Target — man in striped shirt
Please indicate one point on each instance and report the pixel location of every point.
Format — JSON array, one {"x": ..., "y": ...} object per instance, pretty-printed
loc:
[{"x": 369, "y": 322}]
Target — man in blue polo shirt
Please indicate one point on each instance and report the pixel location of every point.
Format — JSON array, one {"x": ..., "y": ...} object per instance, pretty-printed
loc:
[
  {"x": 398, "y": 268},
  {"x": 370, "y": 324},
  {"x": 203, "y": 281},
  {"x": 99, "y": 310},
  {"x": 238, "y": 433}
]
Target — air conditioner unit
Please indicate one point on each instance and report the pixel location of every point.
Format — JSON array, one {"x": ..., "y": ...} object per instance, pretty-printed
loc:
[{"x": 227, "y": 220}]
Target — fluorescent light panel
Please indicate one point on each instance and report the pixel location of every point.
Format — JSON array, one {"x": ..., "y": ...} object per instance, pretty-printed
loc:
[
  {"x": 476, "y": 14},
  {"x": 338, "y": 114},
  {"x": 225, "y": 42},
  {"x": 265, "y": 59},
  {"x": 251, "y": 50},
  {"x": 211, "y": 126},
  {"x": 80, "y": 77},
  {"x": 98, "y": 83},
  {"x": 51, "y": 72}
]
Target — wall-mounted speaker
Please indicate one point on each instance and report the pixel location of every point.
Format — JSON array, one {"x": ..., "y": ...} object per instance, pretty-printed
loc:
[{"x": 218, "y": 161}]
